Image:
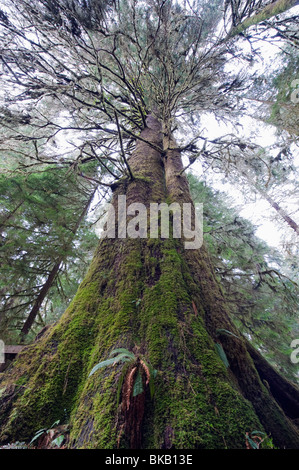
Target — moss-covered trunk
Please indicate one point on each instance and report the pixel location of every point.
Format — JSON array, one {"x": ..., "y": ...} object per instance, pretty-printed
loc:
[{"x": 163, "y": 303}]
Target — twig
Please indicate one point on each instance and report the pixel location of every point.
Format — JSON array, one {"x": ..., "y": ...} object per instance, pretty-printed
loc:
[{"x": 194, "y": 158}]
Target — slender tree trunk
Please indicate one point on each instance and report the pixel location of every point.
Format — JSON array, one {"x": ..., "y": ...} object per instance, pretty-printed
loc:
[
  {"x": 50, "y": 279},
  {"x": 281, "y": 212},
  {"x": 39, "y": 300},
  {"x": 291, "y": 223},
  {"x": 163, "y": 303}
]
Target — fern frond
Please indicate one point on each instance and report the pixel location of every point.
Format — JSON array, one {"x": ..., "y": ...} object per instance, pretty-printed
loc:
[
  {"x": 108, "y": 362},
  {"x": 121, "y": 381},
  {"x": 122, "y": 351},
  {"x": 138, "y": 385},
  {"x": 222, "y": 354}
]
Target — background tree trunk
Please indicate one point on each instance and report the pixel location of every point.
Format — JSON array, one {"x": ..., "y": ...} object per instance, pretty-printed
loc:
[
  {"x": 291, "y": 222},
  {"x": 162, "y": 302},
  {"x": 51, "y": 277}
]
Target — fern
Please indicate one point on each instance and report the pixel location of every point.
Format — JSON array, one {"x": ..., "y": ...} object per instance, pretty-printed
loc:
[
  {"x": 138, "y": 385},
  {"x": 121, "y": 357},
  {"x": 121, "y": 381},
  {"x": 222, "y": 354},
  {"x": 254, "y": 439},
  {"x": 252, "y": 443},
  {"x": 128, "y": 357},
  {"x": 258, "y": 432}
]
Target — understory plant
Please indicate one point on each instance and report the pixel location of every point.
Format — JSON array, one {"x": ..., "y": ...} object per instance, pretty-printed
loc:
[{"x": 135, "y": 377}]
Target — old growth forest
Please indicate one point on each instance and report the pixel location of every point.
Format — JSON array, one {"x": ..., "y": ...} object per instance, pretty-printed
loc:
[{"x": 126, "y": 337}]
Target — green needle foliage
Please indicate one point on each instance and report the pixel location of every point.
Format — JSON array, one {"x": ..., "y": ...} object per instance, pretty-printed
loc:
[
  {"x": 40, "y": 230},
  {"x": 124, "y": 356}
]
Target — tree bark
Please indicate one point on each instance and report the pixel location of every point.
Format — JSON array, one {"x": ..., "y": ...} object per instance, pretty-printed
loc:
[
  {"x": 39, "y": 300},
  {"x": 163, "y": 303}
]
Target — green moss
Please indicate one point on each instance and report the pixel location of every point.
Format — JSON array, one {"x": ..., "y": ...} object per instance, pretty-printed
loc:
[
  {"x": 193, "y": 395},
  {"x": 190, "y": 372}
]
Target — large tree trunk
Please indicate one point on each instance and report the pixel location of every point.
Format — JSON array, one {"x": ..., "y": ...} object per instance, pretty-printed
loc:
[{"x": 162, "y": 302}]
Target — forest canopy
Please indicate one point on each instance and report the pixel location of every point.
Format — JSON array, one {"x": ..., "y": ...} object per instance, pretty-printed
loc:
[{"x": 99, "y": 97}]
